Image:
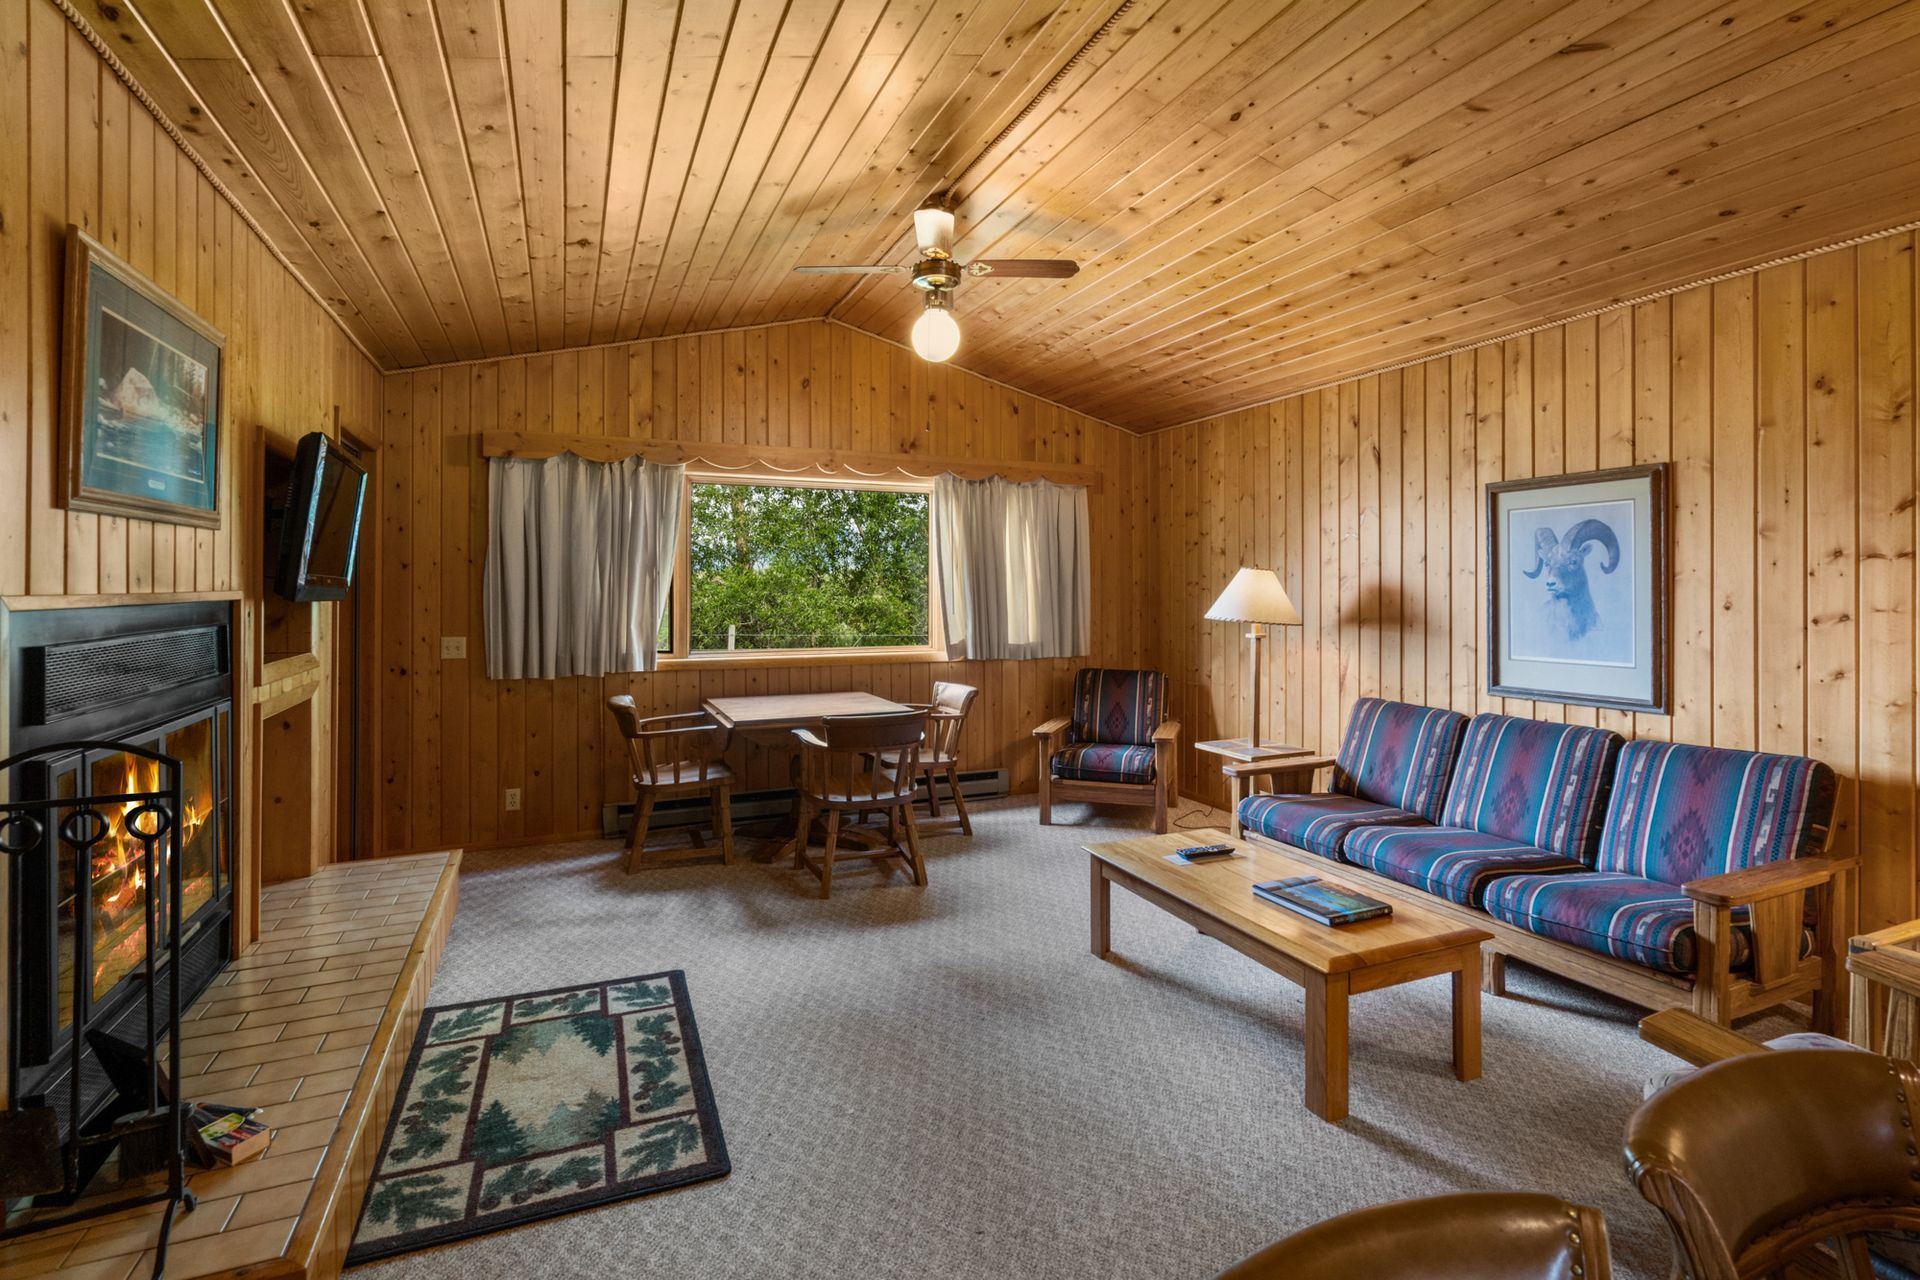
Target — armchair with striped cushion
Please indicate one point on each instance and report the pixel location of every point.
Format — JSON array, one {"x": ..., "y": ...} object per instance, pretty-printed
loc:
[{"x": 1116, "y": 746}]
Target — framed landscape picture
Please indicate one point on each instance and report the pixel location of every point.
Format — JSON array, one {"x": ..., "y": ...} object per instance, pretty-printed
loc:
[
  {"x": 1577, "y": 588},
  {"x": 140, "y": 414}
]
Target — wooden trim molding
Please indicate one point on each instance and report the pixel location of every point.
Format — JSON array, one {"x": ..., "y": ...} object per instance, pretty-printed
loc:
[
  {"x": 24, "y": 604},
  {"x": 776, "y": 461}
]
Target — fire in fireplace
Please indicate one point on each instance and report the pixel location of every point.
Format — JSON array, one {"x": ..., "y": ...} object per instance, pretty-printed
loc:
[{"x": 113, "y": 908}]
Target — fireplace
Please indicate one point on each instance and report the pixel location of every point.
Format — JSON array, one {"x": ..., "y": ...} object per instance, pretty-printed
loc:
[{"x": 155, "y": 677}]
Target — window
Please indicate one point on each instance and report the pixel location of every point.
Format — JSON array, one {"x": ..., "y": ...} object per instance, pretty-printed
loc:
[{"x": 771, "y": 567}]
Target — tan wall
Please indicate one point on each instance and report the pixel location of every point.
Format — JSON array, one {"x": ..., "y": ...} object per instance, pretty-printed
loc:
[
  {"x": 76, "y": 147},
  {"x": 1783, "y": 399},
  {"x": 451, "y": 742}
]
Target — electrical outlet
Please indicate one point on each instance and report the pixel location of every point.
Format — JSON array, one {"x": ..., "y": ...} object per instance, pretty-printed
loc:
[
  {"x": 453, "y": 646},
  {"x": 513, "y": 799}
]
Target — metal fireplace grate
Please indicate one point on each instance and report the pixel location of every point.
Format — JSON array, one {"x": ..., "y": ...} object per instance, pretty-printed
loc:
[{"x": 79, "y": 677}]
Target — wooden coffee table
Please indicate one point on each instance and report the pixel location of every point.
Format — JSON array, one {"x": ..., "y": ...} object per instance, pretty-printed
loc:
[{"x": 1331, "y": 964}]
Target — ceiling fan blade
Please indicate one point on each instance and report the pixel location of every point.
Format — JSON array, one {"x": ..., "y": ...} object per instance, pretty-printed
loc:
[
  {"x": 874, "y": 270},
  {"x": 1030, "y": 268}
]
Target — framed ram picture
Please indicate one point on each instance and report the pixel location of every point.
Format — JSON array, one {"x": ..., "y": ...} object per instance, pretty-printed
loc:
[{"x": 1577, "y": 599}]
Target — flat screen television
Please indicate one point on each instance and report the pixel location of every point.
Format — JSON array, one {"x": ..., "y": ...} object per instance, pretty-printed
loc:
[{"x": 320, "y": 524}]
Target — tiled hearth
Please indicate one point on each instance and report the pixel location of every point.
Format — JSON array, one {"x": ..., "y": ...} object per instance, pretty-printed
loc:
[{"x": 313, "y": 1024}]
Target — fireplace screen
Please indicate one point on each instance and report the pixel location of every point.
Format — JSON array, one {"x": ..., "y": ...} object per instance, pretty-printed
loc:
[{"x": 111, "y": 906}]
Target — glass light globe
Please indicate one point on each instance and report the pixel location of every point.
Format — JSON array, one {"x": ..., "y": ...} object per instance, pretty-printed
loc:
[{"x": 936, "y": 335}]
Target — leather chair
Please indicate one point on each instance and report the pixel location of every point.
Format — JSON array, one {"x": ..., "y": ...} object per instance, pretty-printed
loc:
[
  {"x": 1497, "y": 1235},
  {"x": 1758, "y": 1159}
]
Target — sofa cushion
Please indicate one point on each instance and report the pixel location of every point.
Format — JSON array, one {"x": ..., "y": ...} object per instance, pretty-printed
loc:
[
  {"x": 1117, "y": 706},
  {"x": 1316, "y": 823},
  {"x": 1534, "y": 783},
  {"x": 1449, "y": 862},
  {"x": 1628, "y": 917},
  {"x": 1398, "y": 754},
  {"x": 1680, "y": 813},
  {"x": 1104, "y": 762}
]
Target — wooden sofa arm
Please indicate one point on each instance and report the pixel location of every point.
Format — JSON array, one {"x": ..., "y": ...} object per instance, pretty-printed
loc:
[
  {"x": 1052, "y": 728},
  {"x": 1757, "y": 884},
  {"x": 1277, "y": 764},
  {"x": 1688, "y": 1036},
  {"x": 1166, "y": 731}
]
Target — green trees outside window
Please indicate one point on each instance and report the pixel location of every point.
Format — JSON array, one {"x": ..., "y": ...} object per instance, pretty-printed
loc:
[{"x": 807, "y": 568}]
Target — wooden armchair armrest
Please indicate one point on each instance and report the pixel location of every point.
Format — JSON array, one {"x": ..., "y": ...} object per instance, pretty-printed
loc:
[
  {"x": 1757, "y": 884},
  {"x": 1280, "y": 764},
  {"x": 678, "y": 715},
  {"x": 1166, "y": 731},
  {"x": 1052, "y": 728},
  {"x": 808, "y": 738},
  {"x": 1894, "y": 937},
  {"x": 1690, "y": 1037}
]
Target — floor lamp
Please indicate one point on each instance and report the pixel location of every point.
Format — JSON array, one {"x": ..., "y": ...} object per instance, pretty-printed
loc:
[{"x": 1255, "y": 596}]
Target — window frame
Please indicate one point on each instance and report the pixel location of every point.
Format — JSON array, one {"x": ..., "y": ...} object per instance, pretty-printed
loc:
[{"x": 680, "y": 597}]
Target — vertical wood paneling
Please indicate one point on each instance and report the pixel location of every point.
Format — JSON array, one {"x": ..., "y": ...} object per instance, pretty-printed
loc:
[
  {"x": 1784, "y": 402},
  {"x": 77, "y": 148},
  {"x": 454, "y": 742}
]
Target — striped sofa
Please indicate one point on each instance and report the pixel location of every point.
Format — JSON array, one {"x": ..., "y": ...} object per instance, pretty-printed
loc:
[{"x": 1668, "y": 874}]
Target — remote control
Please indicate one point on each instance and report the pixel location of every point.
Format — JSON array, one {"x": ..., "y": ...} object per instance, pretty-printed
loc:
[{"x": 1201, "y": 852}]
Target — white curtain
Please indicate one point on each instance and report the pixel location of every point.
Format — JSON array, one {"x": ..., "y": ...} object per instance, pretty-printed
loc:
[
  {"x": 1014, "y": 568},
  {"x": 579, "y": 564}
]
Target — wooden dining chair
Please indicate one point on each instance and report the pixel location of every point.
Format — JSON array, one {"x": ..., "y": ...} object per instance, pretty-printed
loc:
[
  {"x": 843, "y": 769},
  {"x": 672, "y": 756},
  {"x": 940, "y": 753}
]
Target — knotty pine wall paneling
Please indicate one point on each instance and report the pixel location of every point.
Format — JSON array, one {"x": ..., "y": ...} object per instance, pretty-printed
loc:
[
  {"x": 77, "y": 148},
  {"x": 451, "y": 742},
  {"x": 1783, "y": 401}
]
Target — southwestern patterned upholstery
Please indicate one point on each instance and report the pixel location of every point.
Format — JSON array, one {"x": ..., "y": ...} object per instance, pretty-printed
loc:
[
  {"x": 1316, "y": 823},
  {"x": 1629, "y": 917},
  {"x": 1525, "y": 798},
  {"x": 1116, "y": 745},
  {"x": 1398, "y": 754},
  {"x": 1104, "y": 762},
  {"x": 1118, "y": 707},
  {"x": 1681, "y": 813},
  {"x": 1449, "y": 862},
  {"x": 1392, "y": 768},
  {"x": 1538, "y": 784}
]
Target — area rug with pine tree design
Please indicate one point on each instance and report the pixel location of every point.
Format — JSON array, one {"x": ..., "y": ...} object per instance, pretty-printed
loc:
[{"x": 528, "y": 1106}]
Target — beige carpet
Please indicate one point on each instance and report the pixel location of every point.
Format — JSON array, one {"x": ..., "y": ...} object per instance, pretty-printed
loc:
[{"x": 944, "y": 1083}]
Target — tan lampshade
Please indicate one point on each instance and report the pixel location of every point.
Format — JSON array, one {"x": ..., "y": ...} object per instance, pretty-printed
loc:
[{"x": 1255, "y": 595}]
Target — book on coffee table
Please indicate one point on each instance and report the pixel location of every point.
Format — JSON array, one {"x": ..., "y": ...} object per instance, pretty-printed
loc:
[{"x": 1321, "y": 900}]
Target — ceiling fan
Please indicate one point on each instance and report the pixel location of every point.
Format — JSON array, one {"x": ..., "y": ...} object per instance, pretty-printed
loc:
[{"x": 936, "y": 335}]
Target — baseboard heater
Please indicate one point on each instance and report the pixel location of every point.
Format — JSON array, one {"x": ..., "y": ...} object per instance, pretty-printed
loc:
[{"x": 753, "y": 806}]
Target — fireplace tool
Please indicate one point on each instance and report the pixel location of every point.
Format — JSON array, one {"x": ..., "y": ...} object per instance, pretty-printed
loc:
[{"x": 51, "y": 1155}]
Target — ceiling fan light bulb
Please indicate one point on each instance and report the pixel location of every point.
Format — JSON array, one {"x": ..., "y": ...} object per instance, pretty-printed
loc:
[{"x": 936, "y": 335}]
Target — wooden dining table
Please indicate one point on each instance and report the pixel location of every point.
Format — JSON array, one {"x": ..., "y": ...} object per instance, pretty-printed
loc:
[{"x": 770, "y": 719}]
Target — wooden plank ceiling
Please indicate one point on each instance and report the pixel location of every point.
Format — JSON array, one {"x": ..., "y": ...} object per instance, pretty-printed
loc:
[{"x": 1264, "y": 196}]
